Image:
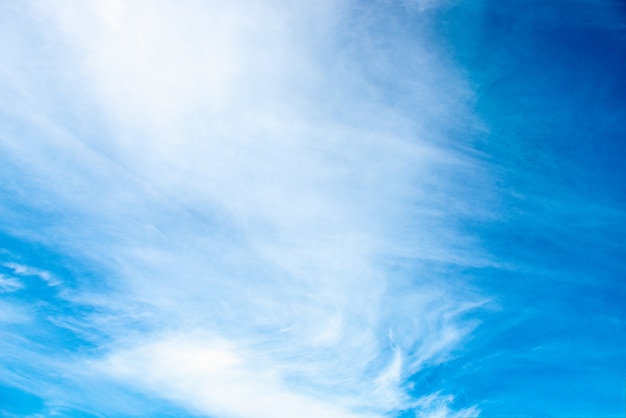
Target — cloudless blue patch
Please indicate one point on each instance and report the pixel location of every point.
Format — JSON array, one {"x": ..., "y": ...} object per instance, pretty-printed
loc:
[
  {"x": 550, "y": 89},
  {"x": 18, "y": 402}
]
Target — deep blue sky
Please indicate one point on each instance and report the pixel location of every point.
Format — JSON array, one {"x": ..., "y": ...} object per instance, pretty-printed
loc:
[{"x": 550, "y": 86}]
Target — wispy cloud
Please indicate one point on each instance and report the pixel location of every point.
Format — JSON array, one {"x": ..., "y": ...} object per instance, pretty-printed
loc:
[
  {"x": 27, "y": 271},
  {"x": 264, "y": 205},
  {"x": 9, "y": 284}
]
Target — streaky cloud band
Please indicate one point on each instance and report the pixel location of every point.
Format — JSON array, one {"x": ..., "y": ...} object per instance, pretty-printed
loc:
[{"x": 274, "y": 225}]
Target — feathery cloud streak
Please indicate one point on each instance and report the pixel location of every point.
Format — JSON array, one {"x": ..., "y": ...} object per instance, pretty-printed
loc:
[{"x": 270, "y": 199}]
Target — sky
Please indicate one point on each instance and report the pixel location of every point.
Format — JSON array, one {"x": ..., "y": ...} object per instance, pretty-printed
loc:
[{"x": 330, "y": 208}]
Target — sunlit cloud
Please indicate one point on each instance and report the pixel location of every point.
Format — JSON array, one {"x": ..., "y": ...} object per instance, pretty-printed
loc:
[{"x": 273, "y": 227}]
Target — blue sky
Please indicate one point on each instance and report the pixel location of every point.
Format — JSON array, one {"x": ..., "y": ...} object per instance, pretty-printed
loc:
[{"x": 333, "y": 209}]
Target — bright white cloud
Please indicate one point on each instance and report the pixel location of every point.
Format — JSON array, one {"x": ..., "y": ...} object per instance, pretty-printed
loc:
[
  {"x": 254, "y": 183},
  {"x": 212, "y": 378}
]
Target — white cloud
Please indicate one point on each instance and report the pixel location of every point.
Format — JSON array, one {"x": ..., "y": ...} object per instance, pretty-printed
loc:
[
  {"x": 213, "y": 378},
  {"x": 9, "y": 284},
  {"x": 23, "y": 270},
  {"x": 254, "y": 182}
]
